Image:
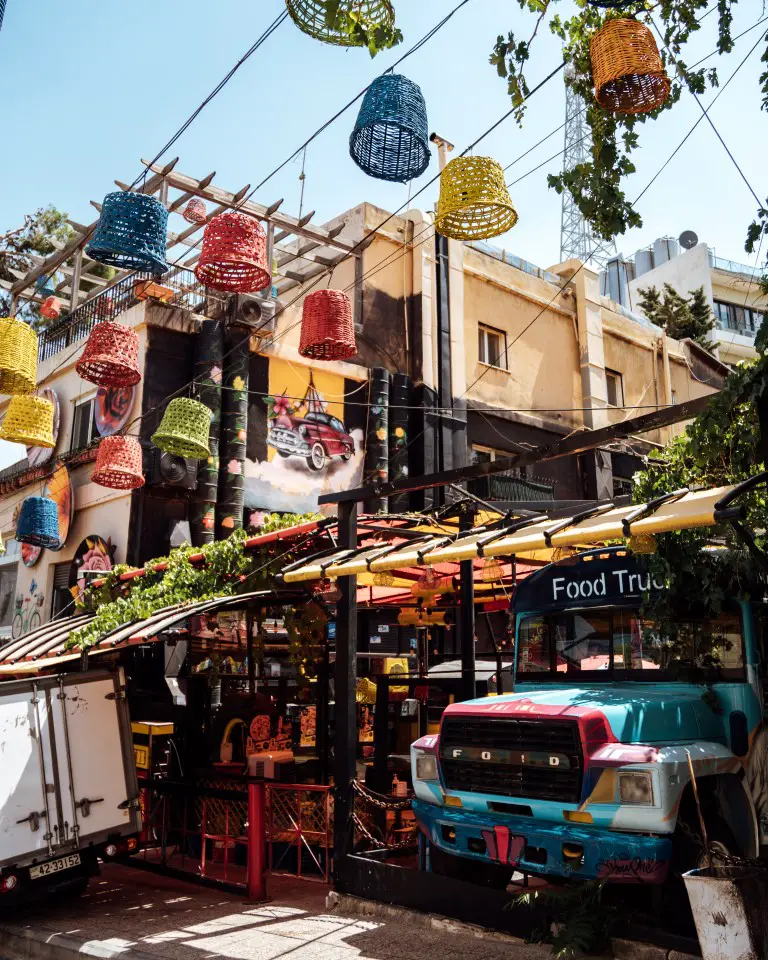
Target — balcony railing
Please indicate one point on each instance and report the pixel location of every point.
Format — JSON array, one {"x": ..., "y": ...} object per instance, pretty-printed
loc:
[
  {"x": 731, "y": 266},
  {"x": 188, "y": 294},
  {"x": 511, "y": 487}
]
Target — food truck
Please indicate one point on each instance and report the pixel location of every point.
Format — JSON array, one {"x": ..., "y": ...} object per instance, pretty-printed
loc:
[{"x": 585, "y": 771}]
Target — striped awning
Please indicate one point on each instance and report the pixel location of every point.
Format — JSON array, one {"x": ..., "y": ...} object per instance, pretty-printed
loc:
[
  {"x": 526, "y": 537},
  {"x": 47, "y": 646}
]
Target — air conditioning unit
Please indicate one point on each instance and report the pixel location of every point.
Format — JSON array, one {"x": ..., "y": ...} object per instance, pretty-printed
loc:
[
  {"x": 168, "y": 470},
  {"x": 254, "y": 313}
]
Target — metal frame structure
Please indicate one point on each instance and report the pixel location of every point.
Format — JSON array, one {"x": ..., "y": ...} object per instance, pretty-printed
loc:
[{"x": 303, "y": 249}]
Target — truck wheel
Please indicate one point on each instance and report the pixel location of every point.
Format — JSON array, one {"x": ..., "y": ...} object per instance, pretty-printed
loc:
[
  {"x": 316, "y": 458},
  {"x": 75, "y": 889}
]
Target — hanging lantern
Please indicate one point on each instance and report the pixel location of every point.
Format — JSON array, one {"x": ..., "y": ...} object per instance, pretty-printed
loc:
[
  {"x": 627, "y": 69},
  {"x": 327, "y": 326},
  {"x": 38, "y": 523},
  {"x": 119, "y": 463},
  {"x": 111, "y": 356},
  {"x": 131, "y": 233},
  {"x": 383, "y": 580},
  {"x": 195, "y": 211},
  {"x": 492, "y": 570},
  {"x": 313, "y": 18},
  {"x": 642, "y": 543},
  {"x": 427, "y": 584},
  {"x": 563, "y": 553},
  {"x": 18, "y": 356},
  {"x": 29, "y": 420},
  {"x": 391, "y": 137},
  {"x": 328, "y": 590},
  {"x": 51, "y": 308},
  {"x": 474, "y": 201},
  {"x": 185, "y": 429},
  {"x": 234, "y": 255}
]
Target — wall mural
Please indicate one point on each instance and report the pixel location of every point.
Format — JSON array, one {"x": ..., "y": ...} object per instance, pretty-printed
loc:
[
  {"x": 94, "y": 555},
  {"x": 113, "y": 408},
  {"x": 28, "y": 615},
  {"x": 311, "y": 447}
]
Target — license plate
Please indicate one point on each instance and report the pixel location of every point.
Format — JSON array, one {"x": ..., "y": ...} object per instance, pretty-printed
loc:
[{"x": 54, "y": 866}]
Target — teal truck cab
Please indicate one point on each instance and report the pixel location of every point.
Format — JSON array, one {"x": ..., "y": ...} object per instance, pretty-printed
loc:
[{"x": 584, "y": 770}]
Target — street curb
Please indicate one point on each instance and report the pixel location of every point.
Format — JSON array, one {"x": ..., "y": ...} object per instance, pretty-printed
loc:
[
  {"x": 40, "y": 943},
  {"x": 346, "y": 903}
]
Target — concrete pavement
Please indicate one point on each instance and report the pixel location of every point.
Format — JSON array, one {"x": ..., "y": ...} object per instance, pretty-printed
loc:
[{"x": 135, "y": 915}]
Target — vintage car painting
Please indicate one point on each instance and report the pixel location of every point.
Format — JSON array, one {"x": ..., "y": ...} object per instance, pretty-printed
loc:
[{"x": 316, "y": 437}]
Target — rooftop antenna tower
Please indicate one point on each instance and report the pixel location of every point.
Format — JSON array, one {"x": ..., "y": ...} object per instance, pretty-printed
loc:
[{"x": 576, "y": 237}]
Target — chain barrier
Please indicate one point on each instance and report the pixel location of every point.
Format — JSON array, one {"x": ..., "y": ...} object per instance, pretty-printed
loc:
[{"x": 382, "y": 802}]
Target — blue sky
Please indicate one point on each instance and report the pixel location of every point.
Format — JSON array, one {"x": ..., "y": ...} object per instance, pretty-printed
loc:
[{"x": 90, "y": 87}]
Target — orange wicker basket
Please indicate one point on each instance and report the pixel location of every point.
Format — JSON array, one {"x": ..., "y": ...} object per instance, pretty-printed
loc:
[{"x": 627, "y": 69}]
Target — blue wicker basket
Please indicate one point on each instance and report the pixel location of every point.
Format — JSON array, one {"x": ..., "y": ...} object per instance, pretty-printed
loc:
[
  {"x": 38, "y": 523},
  {"x": 391, "y": 137},
  {"x": 131, "y": 233}
]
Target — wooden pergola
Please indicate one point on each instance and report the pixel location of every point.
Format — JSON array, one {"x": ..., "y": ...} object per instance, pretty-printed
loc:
[{"x": 303, "y": 249}]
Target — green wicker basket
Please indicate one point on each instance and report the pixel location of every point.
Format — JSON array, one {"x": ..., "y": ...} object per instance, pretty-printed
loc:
[{"x": 185, "y": 429}]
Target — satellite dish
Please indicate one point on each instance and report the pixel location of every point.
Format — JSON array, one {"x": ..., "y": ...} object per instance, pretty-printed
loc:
[{"x": 688, "y": 239}]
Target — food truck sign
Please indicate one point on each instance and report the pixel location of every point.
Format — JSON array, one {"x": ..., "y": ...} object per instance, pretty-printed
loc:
[{"x": 605, "y": 578}]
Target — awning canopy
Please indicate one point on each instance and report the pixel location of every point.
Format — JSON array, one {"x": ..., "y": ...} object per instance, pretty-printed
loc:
[
  {"x": 526, "y": 537},
  {"x": 47, "y": 646}
]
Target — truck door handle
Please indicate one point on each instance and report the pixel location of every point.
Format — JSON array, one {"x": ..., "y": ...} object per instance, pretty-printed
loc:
[
  {"x": 33, "y": 820},
  {"x": 85, "y": 805}
]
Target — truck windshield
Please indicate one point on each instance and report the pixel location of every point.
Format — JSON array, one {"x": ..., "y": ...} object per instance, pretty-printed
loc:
[{"x": 617, "y": 644}]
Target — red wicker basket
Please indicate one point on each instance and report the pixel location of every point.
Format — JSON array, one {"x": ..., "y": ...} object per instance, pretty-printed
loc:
[
  {"x": 195, "y": 211},
  {"x": 327, "y": 326},
  {"x": 111, "y": 356},
  {"x": 51, "y": 308},
  {"x": 118, "y": 463},
  {"x": 234, "y": 255}
]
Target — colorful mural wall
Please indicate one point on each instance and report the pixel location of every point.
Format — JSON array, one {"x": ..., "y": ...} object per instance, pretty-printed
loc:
[{"x": 307, "y": 439}]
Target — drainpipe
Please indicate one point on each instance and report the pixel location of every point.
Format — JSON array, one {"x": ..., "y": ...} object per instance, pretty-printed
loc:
[
  {"x": 398, "y": 437},
  {"x": 209, "y": 349},
  {"x": 377, "y": 437},
  {"x": 667, "y": 372},
  {"x": 234, "y": 431}
]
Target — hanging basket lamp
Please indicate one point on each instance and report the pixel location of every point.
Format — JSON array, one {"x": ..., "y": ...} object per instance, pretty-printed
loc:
[
  {"x": 627, "y": 70},
  {"x": 493, "y": 570},
  {"x": 38, "y": 523},
  {"x": 119, "y": 464},
  {"x": 18, "y": 356},
  {"x": 427, "y": 585},
  {"x": 111, "y": 356},
  {"x": 383, "y": 580},
  {"x": 313, "y": 18},
  {"x": 50, "y": 308},
  {"x": 234, "y": 255},
  {"x": 195, "y": 211},
  {"x": 185, "y": 429},
  {"x": 327, "y": 326},
  {"x": 474, "y": 201},
  {"x": 131, "y": 233},
  {"x": 29, "y": 420},
  {"x": 391, "y": 137}
]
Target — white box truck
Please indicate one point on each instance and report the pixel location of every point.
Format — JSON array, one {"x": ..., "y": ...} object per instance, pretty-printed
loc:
[{"x": 68, "y": 789}]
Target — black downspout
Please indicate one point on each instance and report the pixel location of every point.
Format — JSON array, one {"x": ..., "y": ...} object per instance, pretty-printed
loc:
[
  {"x": 444, "y": 433},
  {"x": 467, "y": 612},
  {"x": 234, "y": 431},
  {"x": 209, "y": 350}
]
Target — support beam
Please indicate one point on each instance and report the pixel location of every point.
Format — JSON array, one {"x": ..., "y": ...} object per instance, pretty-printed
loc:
[
  {"x": 576, "y": 443},
  {"x": 467, "y": 611},
  {"x": 345, "y": 733}
]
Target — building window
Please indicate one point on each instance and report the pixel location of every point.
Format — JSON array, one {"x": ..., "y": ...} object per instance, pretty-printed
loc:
[
  {"x": 84, "y": 424},
  {"x": 492, "y": 347},
  {"x": 615, "y": 388},
  {"x": 9, "y": 562},
  {"x": 622, "y": 487},
  {"x": 737, "y": 317},
  {"x": 62, "y": 596}
]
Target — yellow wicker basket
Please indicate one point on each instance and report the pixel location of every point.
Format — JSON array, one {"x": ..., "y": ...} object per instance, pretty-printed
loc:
[
  {"x": 29, "y": 420},
  {"x": 18, "y": 356},
  {"x": 627, "y": 70},
  {"x": 474, "y": 201}
]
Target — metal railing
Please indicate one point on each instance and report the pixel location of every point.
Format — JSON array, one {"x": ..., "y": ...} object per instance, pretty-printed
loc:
[
  {"x": 511, "y": 486},
  {"x": 731, "y": 266},
  {"x": 189, "y": 294}
]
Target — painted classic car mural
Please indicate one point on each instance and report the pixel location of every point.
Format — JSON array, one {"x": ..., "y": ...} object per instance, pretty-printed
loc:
[{"x": 316, "y": 437}]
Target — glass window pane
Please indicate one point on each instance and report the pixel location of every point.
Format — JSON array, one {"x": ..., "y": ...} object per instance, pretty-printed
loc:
[
  {"x": 481, "y": 354},
  {"x": 587, "y": 645},
  {"x": 535, "y": 645}
]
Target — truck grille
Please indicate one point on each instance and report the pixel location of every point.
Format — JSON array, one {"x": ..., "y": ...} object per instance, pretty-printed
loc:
[{"x": 529, "y": 759}]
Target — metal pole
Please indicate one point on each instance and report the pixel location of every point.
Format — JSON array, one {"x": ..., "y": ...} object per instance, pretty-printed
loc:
[
  {"x": 77, "y": 270},
  {"x": 345, "y": 734},
  {"x": 257, "y": 887},
  {"x": 467, "y": 612}
]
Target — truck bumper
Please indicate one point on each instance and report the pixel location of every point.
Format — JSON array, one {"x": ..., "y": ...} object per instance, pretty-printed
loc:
[{"x": 546, "y": 849}]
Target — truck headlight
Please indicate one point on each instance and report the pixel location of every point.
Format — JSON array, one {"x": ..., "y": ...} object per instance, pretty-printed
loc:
[
  {"x": 426, "y": 767},
  {"x": 636, "y": 788}
]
